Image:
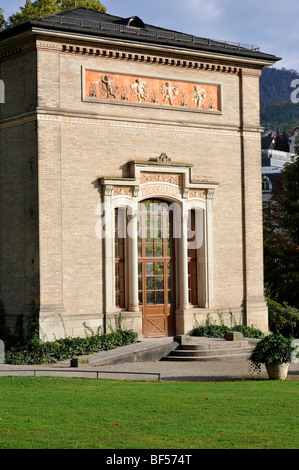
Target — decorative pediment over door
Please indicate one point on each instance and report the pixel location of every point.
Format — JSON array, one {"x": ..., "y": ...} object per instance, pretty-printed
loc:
[{"x": 158, "y": 178}]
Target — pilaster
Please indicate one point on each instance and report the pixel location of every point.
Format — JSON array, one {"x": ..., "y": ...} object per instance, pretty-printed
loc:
[
  {"x": 256, "y": 311},
  {"x": 133, "y": 261},
  {"x": 50, "y": 224}
]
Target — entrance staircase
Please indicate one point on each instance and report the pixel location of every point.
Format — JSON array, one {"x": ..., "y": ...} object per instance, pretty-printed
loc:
[{"x": 191, "y": 348}]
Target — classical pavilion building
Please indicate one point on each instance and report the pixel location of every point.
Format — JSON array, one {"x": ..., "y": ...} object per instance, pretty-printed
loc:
[{"x": 130, "y": 176}]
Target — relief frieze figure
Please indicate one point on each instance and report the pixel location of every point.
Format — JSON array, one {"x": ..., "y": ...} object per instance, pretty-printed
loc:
[
  {"x": 110, "y": 86},
  {"x": 170, "y": 92},
  {"x": 199, "y": 96},
  {"x": 140, "y": 89}
]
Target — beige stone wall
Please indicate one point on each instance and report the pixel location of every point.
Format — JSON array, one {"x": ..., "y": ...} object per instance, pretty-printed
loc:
[
  {"x": 18, "y": 220},
  {"x": 68, "y": 97},
  {"x": 19, "y": 263},
  {"x": 18, "y": 71},
  {"x": 98, "y": 139}
]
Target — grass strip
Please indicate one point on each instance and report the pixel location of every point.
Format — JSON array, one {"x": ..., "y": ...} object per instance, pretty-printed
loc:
[{"x": 79, "y": 413}]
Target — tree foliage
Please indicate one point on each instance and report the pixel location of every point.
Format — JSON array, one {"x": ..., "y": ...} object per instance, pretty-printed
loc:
[
  {"x": 282, "y": 141},
  {"x": 2, "y": 19},
  {"x": 281, "y": 237},
  {"x": 39, "y": 8},
  {"x": 278, "y": 116},
  {"x": 286, "y": 199}
]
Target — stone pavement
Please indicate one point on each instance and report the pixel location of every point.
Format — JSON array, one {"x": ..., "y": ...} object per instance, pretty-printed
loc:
[{"x": 139, "y": 362}]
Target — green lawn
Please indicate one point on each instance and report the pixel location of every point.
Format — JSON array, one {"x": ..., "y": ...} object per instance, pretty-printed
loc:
[{"x": 69, "y": 413}]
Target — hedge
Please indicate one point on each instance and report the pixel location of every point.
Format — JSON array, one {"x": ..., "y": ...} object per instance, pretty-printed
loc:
[
  {"x": 219, "y": 331},
  {"x": 36, "y": 351}
]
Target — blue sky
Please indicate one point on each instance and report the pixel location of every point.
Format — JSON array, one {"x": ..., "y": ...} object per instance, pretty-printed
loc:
[{"x": 270, "y": 24}]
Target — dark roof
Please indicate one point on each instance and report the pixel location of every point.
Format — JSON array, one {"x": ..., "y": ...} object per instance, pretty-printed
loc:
[
  {"x": 85, "y": 21},
  {"x": 273, "y": 176},
  {"x": 268, "y": 141}
]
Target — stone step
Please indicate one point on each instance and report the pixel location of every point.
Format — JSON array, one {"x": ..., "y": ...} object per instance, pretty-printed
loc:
[
  {"x": 216, "y": 345},
  {"x": 210, "y": 349},
  {"x": 210, "y": 352},
  {"x": 224, "y": 357},
  {"x": 191, "y": 348}
]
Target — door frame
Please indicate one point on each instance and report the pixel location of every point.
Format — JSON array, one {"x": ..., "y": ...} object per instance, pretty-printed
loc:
[
  {"x": 171, "y": 182},
  {"x": 158, "y": 319}
]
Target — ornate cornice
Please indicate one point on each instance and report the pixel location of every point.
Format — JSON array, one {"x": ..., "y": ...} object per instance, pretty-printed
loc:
[
  {"x": 17, "y": 48},
  {"x": 146, "y": 58},
  {"x": 12, "y": 51},
  {"x": 87, "y": 49}
]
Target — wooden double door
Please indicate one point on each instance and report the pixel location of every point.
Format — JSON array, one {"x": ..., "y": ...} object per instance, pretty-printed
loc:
[{"x": 156, "y": 268}]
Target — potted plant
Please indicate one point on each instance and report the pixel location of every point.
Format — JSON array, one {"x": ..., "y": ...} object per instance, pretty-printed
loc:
[{"x": 276, "y": 352}]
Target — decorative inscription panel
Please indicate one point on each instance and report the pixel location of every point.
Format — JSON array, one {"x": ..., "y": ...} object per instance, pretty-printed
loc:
[
  {"x": 152, "y": 91},
  {"x": 161, "y": 190},
  {"x": 161, "y": 177},
  {"x": 197, "y": 194},
  {"x": 122, "y": 191},
  {"x": 163, "y": 184}
]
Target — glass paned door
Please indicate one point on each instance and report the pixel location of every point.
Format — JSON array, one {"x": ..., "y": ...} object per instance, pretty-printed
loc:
[{"x": 156, "y": 258}]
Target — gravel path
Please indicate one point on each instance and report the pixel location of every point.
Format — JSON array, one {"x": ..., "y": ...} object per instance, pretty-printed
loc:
[{"x": 176, "y": 371}]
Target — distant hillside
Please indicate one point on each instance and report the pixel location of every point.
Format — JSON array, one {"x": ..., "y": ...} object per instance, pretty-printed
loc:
[{"x": 277, "y": 110}]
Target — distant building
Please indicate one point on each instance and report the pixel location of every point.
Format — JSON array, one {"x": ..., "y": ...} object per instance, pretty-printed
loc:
[{"x": 273, "y": 162}]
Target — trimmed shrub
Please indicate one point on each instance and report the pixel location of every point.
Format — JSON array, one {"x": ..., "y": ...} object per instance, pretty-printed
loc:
[
  {"x": 219, "y": 331},
  {"x": 36, "y": 351},
  {"x": 248, "y": 331},
  {"x": 213, "y": 330}
]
